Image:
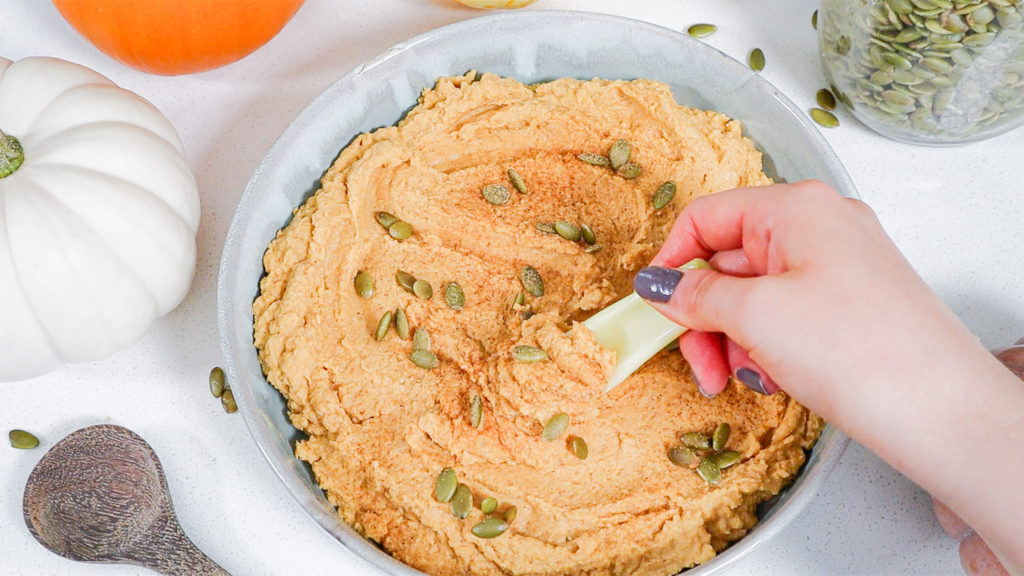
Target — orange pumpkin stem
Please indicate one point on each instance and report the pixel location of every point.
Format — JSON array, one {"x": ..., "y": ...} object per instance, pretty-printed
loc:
[{"x": 11, "y": 155}]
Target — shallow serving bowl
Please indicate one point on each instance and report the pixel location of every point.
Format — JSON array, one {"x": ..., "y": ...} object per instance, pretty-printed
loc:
[{"x": 532, "y": 47}]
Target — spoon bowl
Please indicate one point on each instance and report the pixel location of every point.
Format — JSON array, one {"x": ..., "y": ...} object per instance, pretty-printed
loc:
[{"x": 100, "y": 495}]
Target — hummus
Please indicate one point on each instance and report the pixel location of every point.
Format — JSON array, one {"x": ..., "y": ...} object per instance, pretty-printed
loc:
[{"x": 380, "y": 428}]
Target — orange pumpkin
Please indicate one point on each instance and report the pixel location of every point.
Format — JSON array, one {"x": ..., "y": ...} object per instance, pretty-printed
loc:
[{"x": 173, "y": 37}]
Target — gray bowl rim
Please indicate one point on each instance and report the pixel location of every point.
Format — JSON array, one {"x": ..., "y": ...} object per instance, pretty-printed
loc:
[{"x": 822, "y": 461}]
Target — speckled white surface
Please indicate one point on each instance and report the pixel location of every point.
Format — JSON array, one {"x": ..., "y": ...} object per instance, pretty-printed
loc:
[{"x": 954, "y": 213}]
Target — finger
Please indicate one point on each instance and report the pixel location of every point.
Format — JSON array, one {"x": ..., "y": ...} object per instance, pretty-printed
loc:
[
  {"x": 978, "y": 559},
  {"x": 724, "y": 221},
  {"x": 951, "y": 524},
  {"x": 703, "y": 300},
  {"x": 706, "y": 357},
  {"x": 746, "y": 371},
  {"x": 733, "y": 262}
]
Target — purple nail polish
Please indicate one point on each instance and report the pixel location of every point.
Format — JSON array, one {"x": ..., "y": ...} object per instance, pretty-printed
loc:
[
  {"x": 751, "y": 380},
  {"x": 656, "y": 284}
]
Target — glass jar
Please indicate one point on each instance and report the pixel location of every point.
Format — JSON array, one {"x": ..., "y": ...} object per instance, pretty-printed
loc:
[{"x": 927, "y": 71}]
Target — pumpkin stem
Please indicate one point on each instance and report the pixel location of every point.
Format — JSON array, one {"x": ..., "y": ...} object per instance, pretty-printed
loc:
[{"x": 11, "y": 154}]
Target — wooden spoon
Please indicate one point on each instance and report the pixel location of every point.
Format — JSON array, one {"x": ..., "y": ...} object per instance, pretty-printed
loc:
[{"x": 100, "y": 495}]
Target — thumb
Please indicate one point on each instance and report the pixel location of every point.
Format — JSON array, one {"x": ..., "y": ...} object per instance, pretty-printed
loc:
[{"x": 700, "y": 299}]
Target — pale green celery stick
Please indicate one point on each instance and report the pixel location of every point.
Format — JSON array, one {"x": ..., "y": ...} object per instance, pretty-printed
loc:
[{"x": 635, "y": 331}]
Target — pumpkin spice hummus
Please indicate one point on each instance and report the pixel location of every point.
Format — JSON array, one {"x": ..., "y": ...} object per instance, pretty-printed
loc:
[{"x": 386, "y": 412}]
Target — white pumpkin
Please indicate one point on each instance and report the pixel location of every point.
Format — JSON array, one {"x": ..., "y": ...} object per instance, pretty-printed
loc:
[{"x": 97, "y": 224}]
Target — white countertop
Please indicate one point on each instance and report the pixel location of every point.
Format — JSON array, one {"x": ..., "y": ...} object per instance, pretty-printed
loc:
[{"x": 955, "y": 212}]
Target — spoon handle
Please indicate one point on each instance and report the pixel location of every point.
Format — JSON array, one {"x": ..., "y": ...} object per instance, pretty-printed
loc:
[{"x": 168, "y": 550}]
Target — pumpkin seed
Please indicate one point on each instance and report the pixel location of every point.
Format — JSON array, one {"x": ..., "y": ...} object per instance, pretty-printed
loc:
[
  {"x": 546, "y": 227},
  {"x": 824, "y": 118},
  {"x": 510, "y": 514},
  {"x": 12, "y": 155},
  {"x": 826, "y": 99},
  {"x": 405, "y": 280},
  {"x": 424, "y": 359},
  {"x": 364, "y": 284},
  {"x": 385, "y": 219},
  {"x": 454, "y": 297},
  {"x": 619, "y": 153},
  {"x": 567, "y": 230},
  {"x": 592, "y": 249},
  {"x": 629, "y": 170},
  {"x": 421, "y": 339},
  {"x": 532, "y": 282},
  {"x": 520, "y": 299},
  {"x": 461, "y": 503},
  {"x": 682, "y": 456},
  {"x": 489, "y": 504},
  {"x": 476, "y": 411},
  {"x": 517, "y": 181},
  {"x": 496, "y": 194},
  {"x": 555, "y": 427},
  {"x": 383, "y": 326},
  {"x": 663, "y": 195},
  {"x": 422, "y": 289},
  {"x": 588, "y": 234},
  {"x": 528, "y": 354},
  {"x": 444, "y": 486},
  {"x": 22, "y": 440},
  {"x": 696, "y": 440},
  {"x": 594, "y": 159},
  {"x": 814, "y": 20},
  {"x": 227, "y": 401},
  {"x": 490, "y": 528},
  {"x": 720, "y": 436},
  {"x": 701, "y": 30},
  {"x": 579, "y": 447},
  {"x": 217, "y": 381},
  {"x": 709, "y": 471},
  {"x": 756, "y": 60},
  {"x": 400, "y": 230},
  {"x": 401, "y": 324},
  {"x": 726, "y": 458}
]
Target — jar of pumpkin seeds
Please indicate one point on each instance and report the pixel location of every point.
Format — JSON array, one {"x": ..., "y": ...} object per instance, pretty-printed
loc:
[{"x": 927, "y": 71}]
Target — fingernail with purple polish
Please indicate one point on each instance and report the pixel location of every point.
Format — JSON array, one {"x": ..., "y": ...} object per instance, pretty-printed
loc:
[
  {"x": 656, "y": 284},
  {"x": 751, "y": 380}
]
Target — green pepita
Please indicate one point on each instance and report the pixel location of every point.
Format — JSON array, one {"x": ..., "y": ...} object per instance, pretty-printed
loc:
[
  {"x": 510, "y": 514},
  {"x": 383, "y": 326},
  {"x": 709, "y": 471},
  {"x": 217, "y": 381},
  {"x": 422, "y": 289},
  {"x": 701, "y": 30},
  {"x": 663, "y": 195},
  {"x": 826, "y": 99},
  {"x": 814, "y": 20},
  {"x": 568, "y": 230},
  {"x": 227, "y": 401},
  {"x": 22, "y": 440},
  {"x": 401, "y": 324},
  {"x": 424, "y": 359},
  {"x": 824, "y": 118},
  {"x": 579, "y": 447},
  {"x": 421, "y": 339},
  {"x": 454, "y": 297},
  {"x": 490, "y": 527},
  {"x": 405, "y": 280},
  {"x": 476, "y": 411},
  {"x": 555, "y": 427},
  {"x": 363, "y": 283},
  {"x": 528, "y": 354},
  {"x": 489, "y": 505},
  {"x": 726, "y": 458},
  {"x": 756, "y": 60},
  {"x": 517, "y": 181},
  {"x": 532, "y": 282},
  {"x": 587, "y": 233},
  {"x": 385, "y": 219},
  {"x": 682, "y": 456},
  {"x": 720, "y": 436},
  {"x": 461, "y": 503},
  {"x": 592, "y": 249},
  {"x": 594, "y": 159},
  {"x": 546, "y": 227},
  {"x": 620, "y": 153},
  {"x": 520, "y": 299},
  {"x": 400, "y": 230},
  {"x": 629, "y": 170},
  {"x": 496, "y": 194},
  {"x": 444, "y": 486},
  {"x": 696, "y": 440}
]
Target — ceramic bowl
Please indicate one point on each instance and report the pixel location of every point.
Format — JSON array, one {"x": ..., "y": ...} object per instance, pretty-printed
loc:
[{"x": 532, "y": 47}]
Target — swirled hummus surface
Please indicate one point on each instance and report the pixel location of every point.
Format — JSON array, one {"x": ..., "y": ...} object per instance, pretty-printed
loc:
[{"x": 381, "y": 428}]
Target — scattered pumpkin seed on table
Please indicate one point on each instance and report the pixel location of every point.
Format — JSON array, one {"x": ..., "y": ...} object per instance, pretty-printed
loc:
[
  {"x": 496, "y": 194},
  {"x": 400, "y": 230},
  {"x": 663, "y": 195},
  {"x": 555, "y": 427},
  {"x": 701, "y": 30},
  {"x": 227, "y": 401},
  {"x": 826, "y": 99},
  {"x": 532, "y": 281},
  {"x": 461, "y": 503},
  {"x": 488, "y": 505},
  {"x": 424, "y": 359},
  {"x": 579, "y": 447},
  {"x": 528, "y": 354},
  {"x": 756, "y": 60},
  {"x": 22, "y": 440},
  {"x": 824, "y": 118},
  {"x": 217, "y": 381},
  {"x": 454, "y": 297},
  {"x": 444, "y": 486},
  {"x": 619, "y": 153},
  {"x": 814, "y": 20},
  {"x": 383, "y": 326},
  {"x": 490, "y": 527},
  {"x": 517, "y": 181},
  {"x": 594, "y": 159},
  {"x": 422, "y": 289},
  {"x": 401, "y": 324},
  {"x": 363, "y": 283}
]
